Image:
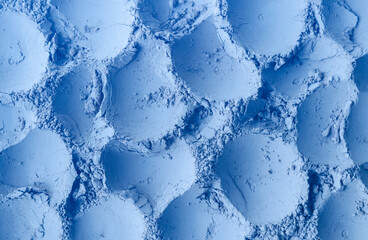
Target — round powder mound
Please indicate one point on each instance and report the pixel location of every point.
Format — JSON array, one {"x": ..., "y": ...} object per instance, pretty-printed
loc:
[
  {"x": 262, "y": 177},
  {"x": 319, "y": 119},
  {"x": 29, "y": 217},
  {"x": 160, "y": 177},
  {"x": 142, "y": 100},
  {"x": 40, "y": 159},
  {"x": 344, "y": 216},
  {"x": 267, "y": 27},
  {"x": 76, "y": 102},
  {"x": 193, "y": 216},
  {"x": 106, "y": 25},
  {"x": 319, "y": 59},
  {"x": 112, "y": 219},
  {"x": 23, "y": 54},
  {"x": 202, "y": 62}
]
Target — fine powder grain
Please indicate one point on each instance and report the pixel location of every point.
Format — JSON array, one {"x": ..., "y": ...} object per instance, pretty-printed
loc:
[{"x": 184, "y": 119}]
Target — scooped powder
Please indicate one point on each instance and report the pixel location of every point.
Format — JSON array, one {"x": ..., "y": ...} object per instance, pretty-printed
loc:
[{"x": 183, "y": 119}]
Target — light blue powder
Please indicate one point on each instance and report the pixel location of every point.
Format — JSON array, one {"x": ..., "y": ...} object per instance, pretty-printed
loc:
[{"x": 183, "y": 119}]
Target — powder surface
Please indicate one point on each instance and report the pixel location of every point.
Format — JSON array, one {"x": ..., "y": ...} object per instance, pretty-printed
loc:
[
  {"x": 23, "y": 51},
  {"x": 183, "y": 119}
]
